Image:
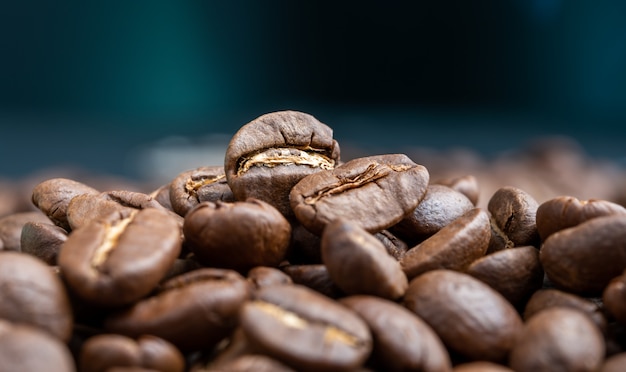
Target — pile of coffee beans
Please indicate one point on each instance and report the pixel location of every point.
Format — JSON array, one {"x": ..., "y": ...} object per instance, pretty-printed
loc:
[{"x": 289, "y": 258}]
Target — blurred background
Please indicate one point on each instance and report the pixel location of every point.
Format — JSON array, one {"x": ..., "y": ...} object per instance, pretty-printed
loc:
[{"x": 147, "y": 89}]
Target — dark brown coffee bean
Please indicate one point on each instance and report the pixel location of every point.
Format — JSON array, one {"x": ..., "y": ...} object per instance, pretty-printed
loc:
[
  {"x": 32, "y": 294},
  {"x": 315, "y": 277},
  {"x": 102, "y": 352},
  {"x": 402, "y": 341},
  {"x": 547, "y": 298},
  {"x": 162, "y": 196},
  {"x": 11, "y": 228},
  {"x": 181, "y": 266},
  {"x": 29, "y": 349},
  {"x": 321, "y": 334},
  {"x": 584, "y": 258},
  {"x": 514, "y": 212},
  {"x": 248, "y": 363},
  {"x": 466, "y": 185},
  {"x": 263, "y": 276},
  {"x": 53, "y": 196},
  {"x": 558, "y": 339},
  {"x": 498, "y": 240},
  {"x": 615, "y": 363},
  {"x": 193, "y": 311},
  {"x": 453, "y": 247},
  {"x": 515, "y": 273},
  {"x": 238, "y": 236},
  {"x": 358, "y": 263},
  {"x": 614, "y": 298},
  {"x": 42, "y": 240},
  {"x": 117, "y": 261},
  {"x": 375, "y": 192},
  {"x": 481, "y": 367},
  {"x": 304, "y": 247},
  {"x": 441, "y": 205},
  {"x": 270, "y": 154},
  {"x": 394, "y": 245},
  {"x": 566, "y": 211},
  {"x": 195, "y": 186},
  {"x": 470, "y": 317}
]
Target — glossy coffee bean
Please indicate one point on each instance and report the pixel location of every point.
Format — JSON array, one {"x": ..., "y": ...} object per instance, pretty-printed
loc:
[
  {"x": 315, "y": 277},
  {"x": 514, "y": 212},
  {"x": 549, "y": 297},
  {"x": 402, "y": 341},
  {"x": 179, "y": 312},
  {"x": 117, "y": 261},
  {"x": 584, "y": 258},
  {"x": 195, "y": 186},
  {"x": 358, "y": 263},
  {"x": 322, "y": 334},
  {"x": 440, "y": 206},
  {"x": 238, "y": 236},
  {"x": 376, "y": 192},
  {"x": 53, "y": 196},
  {"x": 558, "y": 339},
  {"x": 28, "y": 349},
  {"x": 11, "y": 228},
  {"x": 453, "y": 247},
  {"x": 42, "y": 240},
  {"x": 515, "y": 273},
  {"x": 466, "y": 185},
  {"x": 263, "y": 276},
  {"x": 31, "y": 293},
  {"x": 470, "y": 317},
  {"x": 567, "y": 211},
  {"x": 269, "y": 155}
]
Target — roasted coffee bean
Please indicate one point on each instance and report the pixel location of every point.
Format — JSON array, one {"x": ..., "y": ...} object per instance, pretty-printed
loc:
[
  {"x": 441, "y": 205},
  {"x": 105, "y": 351},
  {"x": 481, "y": 367},
  {"x": 53, "y": 196},
  {"x": 181, "y": 266},
  {"x": 549, "y": 297},
  {"x": 314, "y": 276},
  {"x": 402, "y": 341},
  {"x": 270, "y": 154},
  {"x": 11, "y": 228},
  {"x": 614, "y": 363},
  {"x": 453, "y": 247},
  {"x": 193, "y": 311},
  {"x": 584, "y": 258},
  {"x": 239, "y": 235},
  {"x": 375, "y": 192},
  {"x": 248, "y": 363},
  {"x": 515, "y": 273},
  {"x": 29, "y": 349},
  {"x": 470, "y": 317},
  {"x": 466, "y": 185},
  {"x": 558, "y": 339},
  {"x": 358, "y": 263},
  {"x": 117, "y": 261},
  {"x": 321, "y": 334},
  {"x": 195, "y": 186},
  {"x": 42, "y": 240},
  {"x": 567, "y": 211},
  {"x": 263, "y": 276},
  {"x": 32, "y": 294},
  {"x": 514, "y": 212},
  {"x": 614, "y": 298},
  {"x": 498, "y": 240},
  {"x": 394, "y": 245},
  {"x": 162, "y": 196},
  {"x": 304, "y": 247}
]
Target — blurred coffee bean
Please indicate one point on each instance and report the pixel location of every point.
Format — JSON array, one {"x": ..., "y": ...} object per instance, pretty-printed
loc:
[
  {"x": 42, "y": 240},
  {"x": 195, "y": 186},
  {"x": 315, "y": 277},
  {"x": 162, "y": 196},
  {"x": 614, "y": 298},
  {"x": 614, "y": 363},
  {"x": 481, "y": 367},
  {"x": 11, "y": 228},
  {"x": 514, "y": 212},
  {"x": 394, "y": 245},
  {"x": 466, "y": 185},
  {"x": 249, "y": 363},
  {"x": 549, "y": 297},
  {"x": 263, "y": 276},
  {"x": 375, "y": 192},
  {"x": 304, "y": 246}
]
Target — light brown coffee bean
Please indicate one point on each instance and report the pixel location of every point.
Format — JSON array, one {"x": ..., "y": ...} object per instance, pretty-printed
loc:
[
  {"x": 514, "y": 212},
  {"x": 470, "y": 317},
  {"x": 558, "y": 339},
  {"x": 42, "y": 240}
]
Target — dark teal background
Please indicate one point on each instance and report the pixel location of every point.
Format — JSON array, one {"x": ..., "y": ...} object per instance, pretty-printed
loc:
[{"x": 85, "y": 83}]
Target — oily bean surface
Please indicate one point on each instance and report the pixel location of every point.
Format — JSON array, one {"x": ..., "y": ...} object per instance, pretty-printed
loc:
[
  {"x": 470, "y": 317},
  {"x": 42, "y": 240},
  {"x": 375, "y": 192},
  {"x": 195, "y": 186},
  {"x": 514, "y": 212}
]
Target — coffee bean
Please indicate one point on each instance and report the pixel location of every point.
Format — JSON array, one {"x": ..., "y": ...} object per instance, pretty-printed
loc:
[
  {"x": 481, "y": 367},
  {"x": 441, "y": 205},
  {"x": 584, "y": 258},
  {"x": 567, "y": 211},
  {"x": 375, "y": 192},
  {"x": 394, "y": 245},
  {"x": 548, "y": 298},
  {"x": 162, "y": 196},
  {"x": 32, "y": 294},
  {"x": 195, "y": 186},
  {"x": 263, "y": 276},
  {"x": 11, "y": 228},
  {"x": 250, "y": 362},
  {"x": 514, "y": 212},
  {"x": 321, "y": 334},
  {"x": 29, "y": 349},
  {"x": 270, "y": 154},
  {"x": 615, "y": 363},
  {"x": 314, "y": 276},
  {"x": 515, "y": 273},
  {"x": 358, "y": 263},
  {"x": 117, "y": 261},
  {"x": 614, "y": 298},
  {"x": 42, "y": 240},
  {"x": 193, "y": 311},
  {"x": 470, "y": 317},
  {"x": 453, "y": 247},
  {"x": 466, "y": 185},
  {"x": 558, "y": 339},
  {"x": 53, "y": 196},
  {"x": 239, "y": 235},
  {"x": 304, "y": 247},
  {"x": 402, "y": 341}
]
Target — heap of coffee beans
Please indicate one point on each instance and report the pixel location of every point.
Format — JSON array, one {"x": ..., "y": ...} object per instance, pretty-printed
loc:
[{"x": 287, "y": 257}]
